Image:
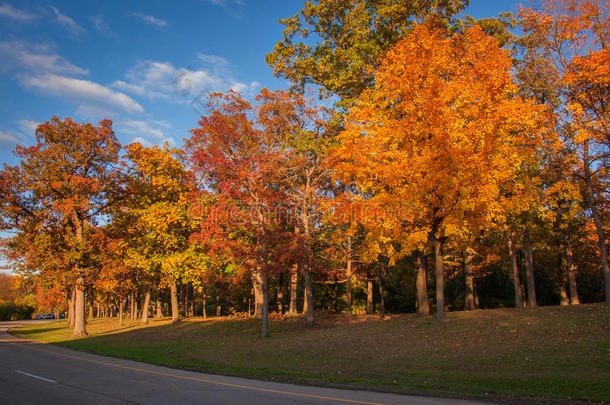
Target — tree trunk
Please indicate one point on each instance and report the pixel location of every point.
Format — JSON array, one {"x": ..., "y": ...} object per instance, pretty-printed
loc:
[
  {"x": 469, "y": 279},
  {"x": 574, "y": 300},
  {"x": 440, "y": 279},
  {"x": 205, "y": 313},
  {"x": 309, "y": 297},
  {"x": 423, "y": 305},
  {"x": 191, "y": 300},
  {"x": 591, "y": 202},
  {"x": 601, "y": 235},
  {"x": 348, "y": 285},
  {"x": 174, "y": 302},
  {"x": 563, "y": 294},
  {"x": 80, "y": 287},
  {"x": 159, "y": 306},
  {"x": 71, "y": 307},
  {"x": 307, "y": 273},
  {"x": 265, "y": 306},
  {"x": 369, "y": 297},
  {"x": 257, "y": 283},
  {"x": 145, "y": 306},
  {"x": 79, "y": 308},
  {"x": 131, "y": 306},
  {"x": 294, "y": 277},
  {"x": 182, "y": 301},
  {"x": 219, "y": 308},
  {"x": 529, "y": 269},
  {"x": 512, "y": 252},
  {"x": 121, "y": 306},
  {"x": 381, "y": 300},
  {"x": 476, "y": 295},
  {"x": 280, "y": 295}
]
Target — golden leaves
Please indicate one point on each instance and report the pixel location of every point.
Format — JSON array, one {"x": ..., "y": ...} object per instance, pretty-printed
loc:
[{"x": 440, "y": 133}]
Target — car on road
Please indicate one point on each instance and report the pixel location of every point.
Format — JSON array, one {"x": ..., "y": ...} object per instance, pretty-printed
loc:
[{"x": 45, "y": 316}]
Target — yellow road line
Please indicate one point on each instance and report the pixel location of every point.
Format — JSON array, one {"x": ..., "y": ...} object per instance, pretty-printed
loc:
[{"x": 246, "y": 387}]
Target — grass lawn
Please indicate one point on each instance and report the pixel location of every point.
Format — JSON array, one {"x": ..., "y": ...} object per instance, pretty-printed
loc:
[{"x": 548, "y": 353}]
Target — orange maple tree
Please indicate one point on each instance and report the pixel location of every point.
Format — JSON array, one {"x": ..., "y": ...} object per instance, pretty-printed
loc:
[{"x": 436, "y": 138}]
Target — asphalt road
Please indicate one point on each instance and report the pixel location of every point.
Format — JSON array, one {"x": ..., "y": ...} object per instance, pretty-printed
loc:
[{"x": 36, "y": 373}]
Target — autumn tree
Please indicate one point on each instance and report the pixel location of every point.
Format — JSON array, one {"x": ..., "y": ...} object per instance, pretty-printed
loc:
[
  {"x": 234, "y": 158},
  {"x": 303, "y": 133},
  {"x": 438, "y": 134},
  {"x": 573, "y": 35},
  {"x": 67, "y": 177},
  {"x": 157, "y": 187},
  {"x": 338, "y": 45},
  {"x": 116, "y": 276},
  {"x": 8, "y": 287}
]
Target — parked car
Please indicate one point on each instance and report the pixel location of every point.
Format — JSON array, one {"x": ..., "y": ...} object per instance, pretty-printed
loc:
[
  {"x": 39, "y": 316},
  {"x": 50, "y": 316}
]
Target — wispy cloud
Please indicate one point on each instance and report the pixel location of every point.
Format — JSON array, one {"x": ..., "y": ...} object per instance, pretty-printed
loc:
[
  {"x": 214, "y": 61},
  {"x": 11, "y": 136},
  {"x": 162, "y": 80},
  {"x": 6, "y": 10},
  {"x": 37, "y": 58},
  {"x": 233, "y": 7},
  {"x": 147, "y": 133},
  {"x": 224, "y": 3},
  {"x": 99, "y": 23},
  {"x": 82, "y": 91},
  {"x": 28, "y": 127},
  {"x": 151, "y": 20},
  {"x": 69, "y": 24},
  {"x": 5, "y": 137}
]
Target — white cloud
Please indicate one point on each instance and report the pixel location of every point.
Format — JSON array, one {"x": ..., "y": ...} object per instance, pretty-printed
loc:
[
  {"x": 135, "y": 127},
  {"x": 36, "y": 58},
  {"x": 95, "y": 112},
  {"x": 6, "y": 10},
  {"x": 69, "y": 24},
  {"x": 5, "y": 137},
  {"x": 144, "y": 142},
  {"x": 84, "y": 91},
  {"x": 150, "y": 19},
  {"x": 99, "y": 23},
  {"x": 162, "y": 80},
  {"x": 224, "y": 3},
  {"x": 12, "y": 136},
  {"x": 147, "y": 133},
  {"x": 28, "y": 127},
  {"x": 246, "y": 88},
  {"x": 216, "y": 61}
]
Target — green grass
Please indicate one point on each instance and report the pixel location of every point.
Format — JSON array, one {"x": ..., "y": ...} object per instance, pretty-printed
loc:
[{"x": 548, "y": 353}]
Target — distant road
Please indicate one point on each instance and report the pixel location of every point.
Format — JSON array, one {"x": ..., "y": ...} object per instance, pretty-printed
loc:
[{"x": 38, "y": 373}]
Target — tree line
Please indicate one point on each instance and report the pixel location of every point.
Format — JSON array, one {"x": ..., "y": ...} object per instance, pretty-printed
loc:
[{"x": 450, "y": 165}]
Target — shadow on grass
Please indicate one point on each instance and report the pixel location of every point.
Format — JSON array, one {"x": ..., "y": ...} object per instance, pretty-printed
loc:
[
  {"x": 37, "y": 331},
  {"x": 112, "y": 331}
]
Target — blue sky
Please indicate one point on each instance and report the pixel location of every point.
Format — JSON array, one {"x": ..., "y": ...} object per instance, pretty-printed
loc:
[{"x": 143, "y": 64}]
